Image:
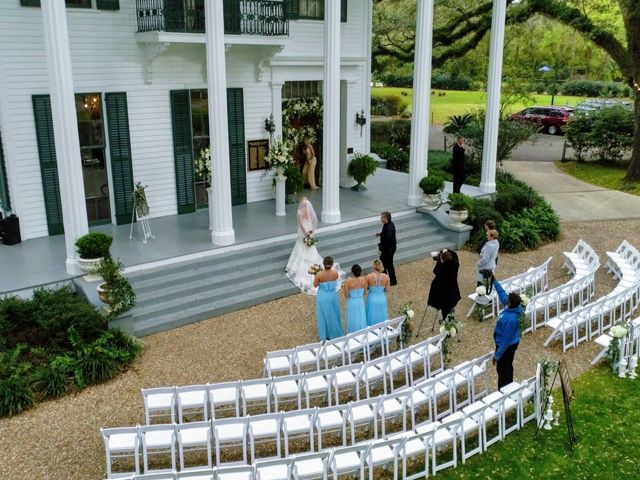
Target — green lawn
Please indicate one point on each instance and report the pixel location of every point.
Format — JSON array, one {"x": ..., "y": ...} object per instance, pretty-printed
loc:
[
  {"x": 445, "y": 103},
  {"x": 603, "y": 175},
  {"x": 607, "y": 425}
]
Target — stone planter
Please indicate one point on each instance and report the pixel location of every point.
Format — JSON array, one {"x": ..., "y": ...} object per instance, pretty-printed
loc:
[
  {"x": 359, "y": 187},
  {"x": 89, "y": 265},
  {"x": 458, "y": 216},
  {"x": 432, "y": 201},
  {"x": 102, "y": 292}
]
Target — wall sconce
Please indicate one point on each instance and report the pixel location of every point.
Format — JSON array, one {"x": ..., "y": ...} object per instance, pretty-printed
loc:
[
  {"x": 270, "y": 124},
  {"x": 361, "y": 120}
]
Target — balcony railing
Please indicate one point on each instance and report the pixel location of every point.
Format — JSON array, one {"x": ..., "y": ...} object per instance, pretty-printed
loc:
[{"x": 248, "y": 17}]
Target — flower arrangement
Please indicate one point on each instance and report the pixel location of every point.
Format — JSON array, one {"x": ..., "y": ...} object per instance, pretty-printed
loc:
[
  {"x": 279, "y": 155},
  {"x": 450, "y": 327},
  {"x": 618, "y": 332},
  {"x": 314, "y": 268},
  {"x": 406, "y": 330},
  {"x": 203, "y": 166},
  {"x": 480, "y": 311},
  {"x": 525, "y": 299},
  {"x": 548, "y": 366},
  {"x": 481, "y": 291},
  {"x": 140, "y": 199},
  {"x": 309, "y": 241},
  {"x": 298, "y": 108}
]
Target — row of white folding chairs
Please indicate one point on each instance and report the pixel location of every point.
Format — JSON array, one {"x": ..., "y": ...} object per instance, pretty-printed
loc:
[
  {"x": 576, "y": 292},
  {"x": 339, "y": 351},
  {"x": 237, "y": 398},
  {"x": 427, "y": 439},
  {"x": 583, "y": 259},
  {"x": 471, "y": 377},
  {"x": 626, "y": 258},
  {"x": 536, "y": 278},
  {"x": 590, "y": 320},
  {"x": 630, "y": 345}
]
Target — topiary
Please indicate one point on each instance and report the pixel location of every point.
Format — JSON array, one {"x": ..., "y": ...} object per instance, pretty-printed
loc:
[
  {"x": 460, "y": 201},
  {"x": 94, "y": 245}
]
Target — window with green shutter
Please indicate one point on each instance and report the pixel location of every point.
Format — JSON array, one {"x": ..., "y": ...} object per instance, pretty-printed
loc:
[
  {"x": 183, "y": 150},
  {"x": 120, "y": 150},
  {"x": 48, "y": 164},
  {"x": 108, "y": 5},
  {"x": 5, "y": 202},
  {"x": 237, "y": 157}
]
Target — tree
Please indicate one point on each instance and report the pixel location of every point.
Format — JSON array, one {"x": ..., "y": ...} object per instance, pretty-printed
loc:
[{"x": 468, "y": 22}]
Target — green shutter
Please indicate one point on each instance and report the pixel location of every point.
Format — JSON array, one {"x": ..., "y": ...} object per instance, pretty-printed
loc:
[
  {"x": 120, "y": 149},
  {"x": 232, "y": 17},
  {"x": 30, "y": 3},
  {"x": 343, "y": 10},
  {"x": 237, "y": 158},
  {"x": 48, "y": 164},
  {"x": 108, "y": 5},
  {"x": 4, "y": 188},
  {"x": 292, "y": 9},
  {"x": 174, "y": 16},
  {"x": 183, "y": 150}
]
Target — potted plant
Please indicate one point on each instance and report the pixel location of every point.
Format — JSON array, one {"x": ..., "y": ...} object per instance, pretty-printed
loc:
[
  {"x": 116, "y": 290},
  {"x": 459, "y": 206},
  {"x": 361, "y": 167},
  {"x": 431, "y": 187},
  {"x": 91, "y": 249},
  {"x": 294, "y": 184}
]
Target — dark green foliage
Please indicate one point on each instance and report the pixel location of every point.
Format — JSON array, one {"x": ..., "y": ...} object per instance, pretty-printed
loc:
[
  {"x": 15, "y": 396},
  {"x": 118, "y": 291},
  {"x": 391, "y": 79},
  {"x": 94, "y": 245},
  {"x": 431, "y": 184},
  {"x": 512, "y": 198},
  {"x": 105, "y": 357},
  {"x": 16, "y": 315},
  {"x": 397, "y": 158},
  {"x": 576, "y": 134},
  {"x": 54, "y": 379},
  {"x": 294, "y": 185},
  {"x": 590, "y": 88},
  {"x": 460, "y": 201},
  {"x": 401, "y": 133},
  {"x": 445, "y": 81},
  {"x": 545, "y": 219},
  {"x": 457, "y": 123},
  {"x": 482, "y": 211},
  {"x": 388, "y": 105},
  {"x": 361, "y": 167}
]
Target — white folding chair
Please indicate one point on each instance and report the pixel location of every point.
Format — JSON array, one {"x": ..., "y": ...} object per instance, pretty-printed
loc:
[
  {"x": 392, "y": 406},
  {"x": 193, "y": 400},
  {"x": 224, "y": 398},
  {"x": 442, "y": 435},
  {"x": 331, "y": 420},
  {"x": 230, "y": 433},
  {"x": 331, "y": 353},
  {"x": 275, "y": 469},
  {"x": 278, "y": 362},
  {"x": 298, "y": 424},
  {"x": 255, "y": 393},
  {"x": 311, "y": 465},
  {"x": 238, "y": 472},
  {"x": 494, "y": 402},
  {"x": 346, "y": 378},
  {"x": 121, "y": 443},
  {"x": 359, "y": 414},
  {"x": 384, "y": 453},
  {"x": 265, "y": 429},
  {"x": 159, "y": 403},
  {"x": 443, "y": 388},
  {"x": 164, "y": 476},
  {"x": 194, "y": 437},
  {"x": 158, "y": 440},
  {"x": 348, "y": 461},
  {"x": 317, "y": 385},
  {"x": 306, "y": 358},
  {"x": 287, "y": 389}
]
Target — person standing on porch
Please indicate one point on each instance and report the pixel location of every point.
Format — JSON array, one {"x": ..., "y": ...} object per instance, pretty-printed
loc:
[
  {"x": 387, "y": 246},
  {"x": 309, "y": 168},
  {"x": 458, "y": 164}
]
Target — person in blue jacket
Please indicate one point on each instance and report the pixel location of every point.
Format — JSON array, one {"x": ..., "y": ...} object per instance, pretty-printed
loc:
[{"x": 506, "y": 334}]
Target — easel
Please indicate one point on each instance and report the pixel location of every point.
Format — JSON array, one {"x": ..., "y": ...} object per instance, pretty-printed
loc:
[
  {"x": 141, "y": 214},
  {"x": 435, "y": 321},
  {"x": 567, "y": 394}
]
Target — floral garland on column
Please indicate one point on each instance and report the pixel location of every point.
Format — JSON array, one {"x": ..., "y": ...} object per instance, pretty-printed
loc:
[{"x": 300, "y": 107}]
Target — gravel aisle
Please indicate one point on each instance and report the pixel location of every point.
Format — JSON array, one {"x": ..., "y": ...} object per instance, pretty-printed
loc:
[{"x": 61, "y": 439}]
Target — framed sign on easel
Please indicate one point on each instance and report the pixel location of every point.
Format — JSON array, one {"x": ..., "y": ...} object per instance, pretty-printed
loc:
[{"x": 141, "y": 213}]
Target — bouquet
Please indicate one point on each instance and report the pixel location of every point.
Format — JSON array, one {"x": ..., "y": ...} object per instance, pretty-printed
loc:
[
  {"x": 525, "y": 299},
  {"x": 314, "y": 269},
  {"x": 618, "y": 331},
  {"x": 481, "y": 290},
  {"x": 309, "y": 241},
  {"x": 279, "y": 155}
]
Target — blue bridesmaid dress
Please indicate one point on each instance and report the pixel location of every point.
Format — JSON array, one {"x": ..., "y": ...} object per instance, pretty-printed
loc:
[
  {"x": 328, "y": 313},
  {"x": 356, "y": 316},
  {"x": 376, "y": 306}
]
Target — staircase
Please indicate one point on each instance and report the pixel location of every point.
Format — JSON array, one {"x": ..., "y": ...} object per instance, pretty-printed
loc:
[{"x": 194, "y": 290}]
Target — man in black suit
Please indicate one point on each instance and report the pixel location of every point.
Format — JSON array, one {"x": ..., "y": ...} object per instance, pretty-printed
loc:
[
  {"x": 387, "y": 246},
  {"x": 458, "y": 164}
]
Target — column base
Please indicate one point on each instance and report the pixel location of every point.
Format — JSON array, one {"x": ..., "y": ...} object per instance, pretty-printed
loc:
[
  {"x": 72, "y": 267},
  {"x": 487, "y": 187},
  {"x": 223, "y": 238},
  {"x": 414, "y": 200},
  {"x": 330, "y": 216}
]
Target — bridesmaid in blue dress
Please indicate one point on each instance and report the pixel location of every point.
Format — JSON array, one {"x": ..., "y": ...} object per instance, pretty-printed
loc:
[
  {"x": 328, "y": 315},
  {"x": 355, "y": 289},
  {"x": 376, "y": 306}
]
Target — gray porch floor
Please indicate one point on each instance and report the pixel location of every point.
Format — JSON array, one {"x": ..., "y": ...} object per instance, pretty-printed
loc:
[{"x": 41, "y": 261}]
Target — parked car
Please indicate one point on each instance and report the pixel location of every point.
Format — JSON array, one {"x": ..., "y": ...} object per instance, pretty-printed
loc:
[
  {"x": 551, "y": 119},
  {"x": 592, "y": 104}
]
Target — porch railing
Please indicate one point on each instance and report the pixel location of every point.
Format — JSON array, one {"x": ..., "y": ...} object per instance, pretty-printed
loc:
[{"x": 248, "y": 17}]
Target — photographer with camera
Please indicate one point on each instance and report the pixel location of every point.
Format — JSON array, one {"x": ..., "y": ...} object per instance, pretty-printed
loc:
[
  {"x": 488, "y": 256},
  {"x": 506, "y": 334},
  {"x": 444, "y": 293}
]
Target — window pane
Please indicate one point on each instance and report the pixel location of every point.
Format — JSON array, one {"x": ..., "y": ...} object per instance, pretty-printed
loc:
[{"x": 78, "y": 3}]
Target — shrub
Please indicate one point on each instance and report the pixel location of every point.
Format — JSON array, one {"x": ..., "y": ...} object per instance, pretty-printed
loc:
[
  {"x": 16, "y": 315},
  {"x": 128, "y": 346},
  {"x": 397, "y": 159},
  {"x": 118, "y": 291},
  {"x": 400, "y": 132},
  {"x": 577, "y": 135},
  {"x": 612, "y": 133},
  {"x": 483, "y": 210},
  {"x": 361, "y": 167},
  {"x": 460, "y": 201},
  {"x": 15, "y": 396},
  {"x": 545, "y": 219},
  {"x": 388, "y": 105},
  {"x": 457, "y": 123},
  {"x": 512, "y": 198},
  {"x": 511, "y": 236},
  {"x": 445, "y": 81},
  {"x": 380, "y": 132},
  {"x": 432, "y": 184},
  {"x": 294, "y": 185},
  {"x": 54, "y": 379},
  {"x": 590, "y": 88},
  {"x": 100, "y": 360},
  {"x": 93, "y": 245}
]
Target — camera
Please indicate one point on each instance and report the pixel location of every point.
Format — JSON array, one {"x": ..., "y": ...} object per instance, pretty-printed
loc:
[
  {"x": 486, "y": 273},
  {"x": 436, "y": 255}
]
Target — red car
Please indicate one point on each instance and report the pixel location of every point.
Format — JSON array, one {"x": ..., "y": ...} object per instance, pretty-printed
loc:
[{"x": 550, "y": 119}]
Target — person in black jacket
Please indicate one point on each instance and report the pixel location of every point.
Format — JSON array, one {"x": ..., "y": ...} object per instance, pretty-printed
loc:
[
  {"x": 387, "y": 246},
  {"x": 444, "y": 293},
  {"x": 458, "y": 164}
]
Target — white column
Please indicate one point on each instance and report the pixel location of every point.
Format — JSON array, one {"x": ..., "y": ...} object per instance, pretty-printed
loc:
[
  {"x": 220, "y": 217},
  {"x": 348, "y": 124},
  {"x": 65, "y": 127},
  {"x": 276, "y": 106},
  {"x": 419, "y": 148},
  {"x": 490, "y": 143},
  {"x": 331, "y": 119},
  {"x": 366, "y": 142}
]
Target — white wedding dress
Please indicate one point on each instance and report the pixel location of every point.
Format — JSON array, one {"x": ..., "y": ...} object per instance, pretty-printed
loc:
[{"x": 302, "y": 257}]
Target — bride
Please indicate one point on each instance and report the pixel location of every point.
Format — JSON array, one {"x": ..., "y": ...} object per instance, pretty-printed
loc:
[{"x": 302, "y": 256}]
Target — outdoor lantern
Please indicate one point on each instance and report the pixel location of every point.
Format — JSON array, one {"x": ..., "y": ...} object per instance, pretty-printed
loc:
[
  {"x": 270, "y": 124},
  {"x": 361, "y": 120}
]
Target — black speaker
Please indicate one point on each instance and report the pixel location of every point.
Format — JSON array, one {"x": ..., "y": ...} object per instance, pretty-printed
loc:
[{"x": 10, "y": 227}]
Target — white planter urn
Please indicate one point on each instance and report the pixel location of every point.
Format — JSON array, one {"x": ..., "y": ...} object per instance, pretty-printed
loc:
[
  {"x": 280, "y": 192},
  {"x": 458, "y": 216},
  {"x": 431, "y": 200},
  {"x": 89, "y": 265}
]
